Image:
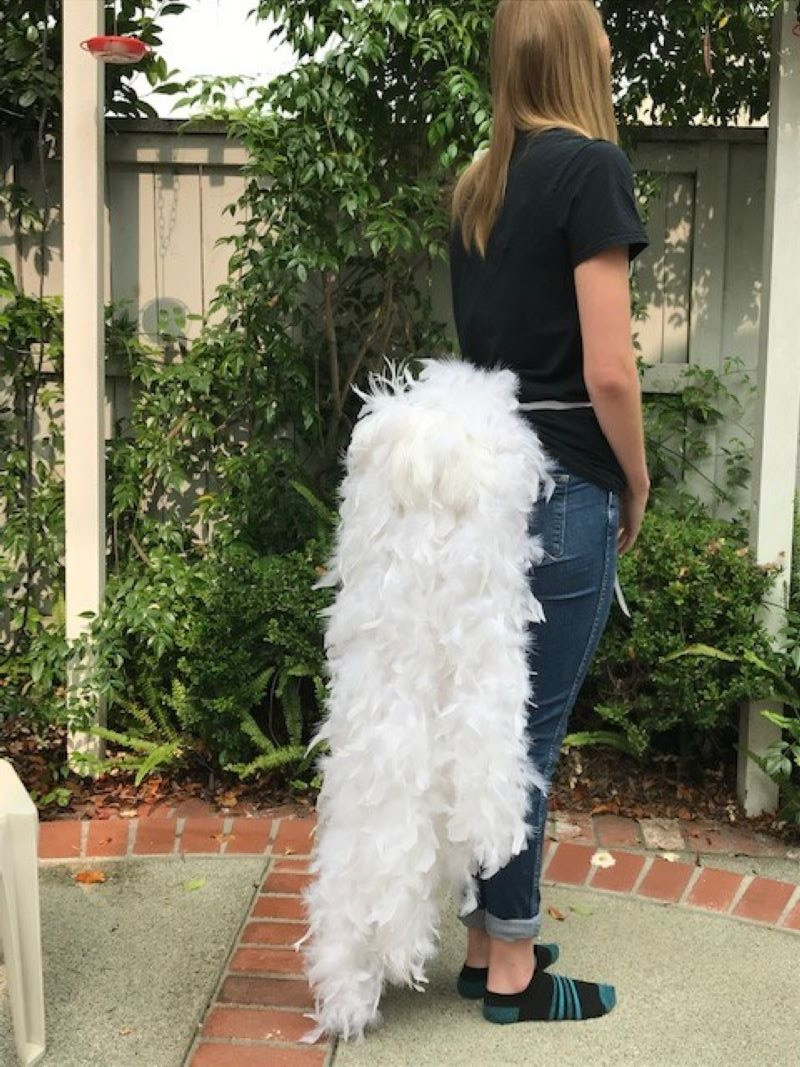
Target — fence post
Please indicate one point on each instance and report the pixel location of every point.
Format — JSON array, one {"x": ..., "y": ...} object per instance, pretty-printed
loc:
[
  {"x": 775, "y": 460},
  {"x": 84, "y": 357}
]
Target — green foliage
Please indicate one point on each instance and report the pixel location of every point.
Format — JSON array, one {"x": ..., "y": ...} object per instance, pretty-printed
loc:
[
  {"x": 781, "y": 762},
  {"x": 258, "y": 641},
  {"x": 158, "y": 743},
  {"x": 689, "y": 582},
  {"x": 34, "y": 650},
  {"x": 691, "y": 58},
  {"x": 34, "y": 654},
  {"x": 31, "y": 62},
  {"x": 678, "y": 432},
  {"x": 220, "y": 482}
]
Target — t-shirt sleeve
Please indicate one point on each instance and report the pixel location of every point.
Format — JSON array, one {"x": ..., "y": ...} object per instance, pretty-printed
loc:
[{"x": 602, "y": 211}]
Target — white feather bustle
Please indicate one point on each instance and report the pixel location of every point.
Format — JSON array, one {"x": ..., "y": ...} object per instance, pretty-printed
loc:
[{"x": 428, "y": 775}]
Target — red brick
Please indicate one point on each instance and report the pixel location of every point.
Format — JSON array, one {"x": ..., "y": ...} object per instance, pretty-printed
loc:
[
  {"x": 289, "y": 863},
  {"x": 107, "y": 837},
  {"x": 266, "y": 992},
  {"x": 249, "y": 835},
  {"x": 733, "y": 839},
  {"x": 622, "y": 876},
  {"x": 275, "y": 960},
  {"x": 154, "y": 836},
  {"x": 705, "y": 836},
  {"x": 194, "y": 807},
  {"x": 270, "y": 907},
  {"x": 615, "y": 830},
  {"x": 714, "y": 889},
  {"x": 792, "y": 920},
  {"x": 764, "y": 900},
  {"x": 201, "y": 834},
  {"x": 60, "y": 839},
  {"x": 752, "y": 843},
  {"x": 223, "y": 1054},
  {"x": 257, "y": 1024},
  {"x": 267, "y": 933},
  {"x": 665, "y": 880},
  {"x": 569, "y": 863},
  {"x": 577, "y": 828},
  {"x": 286, "y": 881},
  {"x": 295, "y": 835}
]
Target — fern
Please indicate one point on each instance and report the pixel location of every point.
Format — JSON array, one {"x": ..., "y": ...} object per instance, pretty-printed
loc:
[
  {"x": 128, "y": 740},
  {"x": 182, "y": 704},
  {"x": 600, "y": 737},
  {"x": 251, "y": 728},
  {"x": 268, "y": 761},
  {"x": 165, "y": 754},
  {"x": 141, "y": 714},
  {"x": 288, "y": 691}
]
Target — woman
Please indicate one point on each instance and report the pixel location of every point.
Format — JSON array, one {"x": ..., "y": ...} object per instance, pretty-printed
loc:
[{"x": 544, "y": 227}]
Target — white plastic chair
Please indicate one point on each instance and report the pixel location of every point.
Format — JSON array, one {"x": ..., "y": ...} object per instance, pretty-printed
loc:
[{"x": 20, "y": 923}]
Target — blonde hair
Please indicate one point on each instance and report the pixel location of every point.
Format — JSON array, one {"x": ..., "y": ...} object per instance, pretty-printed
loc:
[{"x": 549, "y": 67}]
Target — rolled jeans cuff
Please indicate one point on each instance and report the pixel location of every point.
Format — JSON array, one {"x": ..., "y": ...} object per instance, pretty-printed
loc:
[{"x": 502, "y": 929}]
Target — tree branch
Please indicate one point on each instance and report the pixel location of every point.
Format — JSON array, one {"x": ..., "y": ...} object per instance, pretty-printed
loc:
[{"x": 333, "y": 344}]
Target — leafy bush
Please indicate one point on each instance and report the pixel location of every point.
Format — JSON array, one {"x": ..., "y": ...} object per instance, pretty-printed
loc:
[
  {"x": 688, "y": 582},
  {"x": 258, "y": 638},
  {"x": 781, "y": 762}
]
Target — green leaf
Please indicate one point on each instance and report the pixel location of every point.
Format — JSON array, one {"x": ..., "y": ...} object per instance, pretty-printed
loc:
[
  {"x": 193, "y": 884},
  {"x": 598, "y": 737},
  {"x": 701, "y": 650}
]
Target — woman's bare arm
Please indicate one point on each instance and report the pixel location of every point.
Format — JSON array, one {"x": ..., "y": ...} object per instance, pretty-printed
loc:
[{"x": 609, "y": 369}]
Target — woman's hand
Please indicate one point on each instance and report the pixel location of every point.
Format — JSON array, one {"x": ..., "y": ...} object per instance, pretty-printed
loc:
[{"x": 631, "y": 512}]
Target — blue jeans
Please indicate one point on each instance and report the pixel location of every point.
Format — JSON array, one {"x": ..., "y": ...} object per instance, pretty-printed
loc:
[{"x": 575, "y": 584}]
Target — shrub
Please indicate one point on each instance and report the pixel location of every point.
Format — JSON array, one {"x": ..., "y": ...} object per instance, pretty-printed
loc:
[
  {"x": 687, "y": 582},
  {"x": 258, "y": 638}
]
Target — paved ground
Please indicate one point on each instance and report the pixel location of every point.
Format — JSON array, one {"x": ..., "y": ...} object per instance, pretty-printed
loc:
[
  {"x": 693, "y": 990},
  {"x": 182, "y": 959},
  {"x": 130, "y": 965}
]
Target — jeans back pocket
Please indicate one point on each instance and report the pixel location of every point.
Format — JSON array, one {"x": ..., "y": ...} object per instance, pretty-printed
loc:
[{"x": 549, "y": 518}]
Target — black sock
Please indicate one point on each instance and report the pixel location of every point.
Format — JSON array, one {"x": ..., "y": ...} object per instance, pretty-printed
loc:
[
  {"x": 472, "y": 980},
  {"x": 550, "y": 997}
]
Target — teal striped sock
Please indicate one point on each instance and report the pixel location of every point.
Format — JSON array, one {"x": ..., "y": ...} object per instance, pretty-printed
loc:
[
  {"x": 550, "y": 998},
  {"x": 471, "y": 982}
]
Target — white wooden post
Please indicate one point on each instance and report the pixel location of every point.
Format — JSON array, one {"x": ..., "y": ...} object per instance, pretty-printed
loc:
[
  {"x": 775, "y": 459},
  {"x": 84, "y": 358}
]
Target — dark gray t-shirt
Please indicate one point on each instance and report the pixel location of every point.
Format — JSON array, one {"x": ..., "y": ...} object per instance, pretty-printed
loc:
[{"x": 567, "y": 198}]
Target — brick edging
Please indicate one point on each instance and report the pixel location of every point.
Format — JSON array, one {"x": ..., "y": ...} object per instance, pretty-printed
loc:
[
  {"x": 667, "y": 880},
  {"x": 194, "y": 827},
  {"x": 255, "y": 1017}
]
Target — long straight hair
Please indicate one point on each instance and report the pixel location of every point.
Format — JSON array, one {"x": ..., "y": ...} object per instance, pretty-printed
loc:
[{"x": 549, "y": 67}]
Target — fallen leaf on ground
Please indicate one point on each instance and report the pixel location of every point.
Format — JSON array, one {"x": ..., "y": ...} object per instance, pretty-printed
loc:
[
  {"x": 554, "y": 913},
  {"x": 602, "y": 858},
  {"x": 580, "y": 910},
  {"x": 195, "y": 883},
  {"x": 90, "y": 877}
]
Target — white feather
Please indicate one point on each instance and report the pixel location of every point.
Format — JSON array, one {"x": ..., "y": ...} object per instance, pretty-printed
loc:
[{"x": 428, "y": 775}]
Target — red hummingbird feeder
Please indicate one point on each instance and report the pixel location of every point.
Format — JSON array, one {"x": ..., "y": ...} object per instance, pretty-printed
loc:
[{"x": 113, "y": 49}]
